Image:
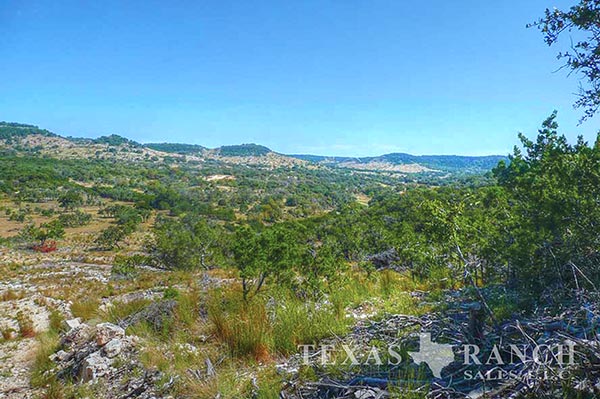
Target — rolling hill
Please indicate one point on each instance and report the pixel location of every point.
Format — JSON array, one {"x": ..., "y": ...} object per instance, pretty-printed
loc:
[{"x": 18, "y": 137}]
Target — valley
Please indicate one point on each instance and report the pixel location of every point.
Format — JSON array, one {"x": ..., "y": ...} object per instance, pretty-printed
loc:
[{"x": 172, "y": 270}]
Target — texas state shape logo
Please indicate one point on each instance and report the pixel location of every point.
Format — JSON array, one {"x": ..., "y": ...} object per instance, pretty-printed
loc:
[{"x": 436, "y": 356}]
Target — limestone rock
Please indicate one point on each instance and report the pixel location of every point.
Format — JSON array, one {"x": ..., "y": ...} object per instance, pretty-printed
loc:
[
  {"x": 77, "y": 336},
  {"x": 71, "y": 324},
  {"x": 108, "y": 331},
  {"x": 60, "y": 356},
  {"x": 94, "y": 366},
  {"x": 113, "y": 348}
]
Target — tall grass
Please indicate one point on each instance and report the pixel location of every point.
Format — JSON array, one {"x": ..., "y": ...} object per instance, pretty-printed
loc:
[
  {"x": 298, "y": 322},
  {"x": 26, "y": 327},
  {"x": 243, "y": 326},
  {"x": 259, "y": 330},
  {"x": 262, "y": 327},
  {"x": 47, "y": 345},
  {"x": 86, "y": 309},
  {"x": 11, "y": 295},
  {"x": 121, "y": 310}
]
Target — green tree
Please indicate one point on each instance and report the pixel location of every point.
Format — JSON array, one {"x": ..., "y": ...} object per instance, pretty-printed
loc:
[
  {"x": 189, "y": 243},
  {"x": 70, "y": 199},
  {"x": 322, "y": 264},
  {"x": 584, "y": 54},
  {"x": 111, "y": 237},
  {"x": 554, "y": 190},
  {"x": 271, "y": 252},
  {"x": 42, "y": 233}
]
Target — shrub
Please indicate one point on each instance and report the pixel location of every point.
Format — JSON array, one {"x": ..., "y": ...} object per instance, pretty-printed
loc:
[
  {"x": 75, "y": 219},
  {"x": 125, "y": 266},
  {"x": 46, "y": 247},
  {"x": 41, "y": 235},
  {"x": 189, "y": 243},
  {"x": 110, "y": 237}
]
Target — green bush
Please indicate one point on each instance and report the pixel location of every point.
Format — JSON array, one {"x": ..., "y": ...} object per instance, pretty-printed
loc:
[
  {"x": 75, "y": 219},
  {"x": 126, "y": 266}
]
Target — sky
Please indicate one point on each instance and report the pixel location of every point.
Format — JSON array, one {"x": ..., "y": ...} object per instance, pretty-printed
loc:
[{"x": 329, "y": 77}]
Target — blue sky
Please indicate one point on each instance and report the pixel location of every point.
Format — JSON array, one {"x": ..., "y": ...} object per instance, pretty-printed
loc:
[{"x": 343, "y": 77}]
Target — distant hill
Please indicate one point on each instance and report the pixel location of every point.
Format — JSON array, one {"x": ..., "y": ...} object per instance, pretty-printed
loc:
[
  {"x": 446, "y": 162},
  {"x": 432, "y": 162},
  {"x": 177, "y": 148},
  {"x": 21, "y": 137},
  {"x": 115, "y": 140},
  {"x": 10, "y": 130},
  {"x": 243, "y": 150}
]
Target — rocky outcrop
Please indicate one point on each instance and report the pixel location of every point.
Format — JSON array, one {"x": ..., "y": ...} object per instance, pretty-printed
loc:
[
  {"x": 104, "y": 354},
  {"x": 106, "y": 332},
  {"x": 155, "y": 315}
]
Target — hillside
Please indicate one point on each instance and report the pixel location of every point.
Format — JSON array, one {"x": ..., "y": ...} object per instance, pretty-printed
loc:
[
  {"x": 13, "y": 130},
  {"x": 23, "y": 138},
  {"x": 406, "y": 162},
  {"x": 243, "y": 150},
  {"x": 177, "y": 148},
  {"x": 127, "y": 265}
]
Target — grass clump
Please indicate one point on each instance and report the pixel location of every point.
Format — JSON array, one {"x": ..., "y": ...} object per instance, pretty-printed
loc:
[
  {"x": 298, "y": 322},
  {"x": 55, "y": 390},
  {"x": 8, "y": 333},
  {"x": 86, "y": 309},
  {"x": 48, "y": 343},
  {"x": 242, "y": 325},
  {"x": 171, "y": 293},
  {"x": 55, "y": 320},
  {"x": 121, "y": 310},
  {"x": 11, "y": 295},
  {"x": 26, "y": 327},
  {"x": 260, "y": 328}
]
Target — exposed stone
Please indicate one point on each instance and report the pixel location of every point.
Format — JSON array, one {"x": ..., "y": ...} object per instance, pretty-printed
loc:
[
  {"x": 106, "y": 332},
  {"x": 189, "y": 348},
  {"x": 77, "y": 336},
  {"x": 113, "y": 348},
  {"x": 71, "y": 324},
  {"x": 155, "y": 314},
  {"x": 366, "y": 394},
  {"x": 95, "y": 366},
  {"x": 61, "y": 356}
]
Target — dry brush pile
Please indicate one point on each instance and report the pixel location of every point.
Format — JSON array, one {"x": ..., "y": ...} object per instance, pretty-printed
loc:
[{"x": 520, "y": 355}]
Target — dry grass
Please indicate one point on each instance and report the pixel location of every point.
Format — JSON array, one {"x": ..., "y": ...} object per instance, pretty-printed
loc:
[
  {"x": 26, "y": 327},
  {"x": 55, "y": 390},
  {"x": 362, "y": 198},
  {"x": 8, "y": 333},
  {"x": 11, "y": 295}
]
